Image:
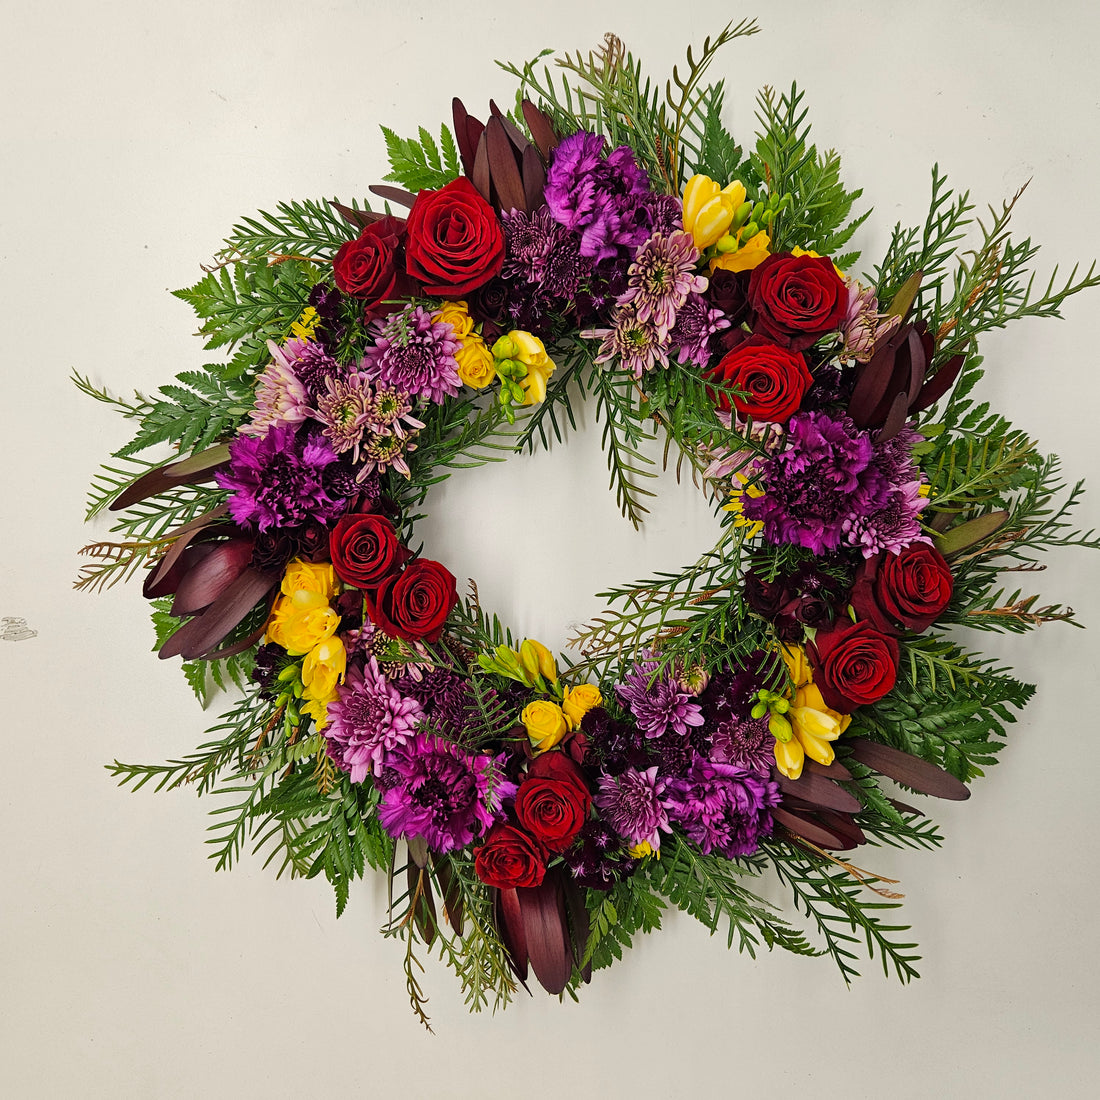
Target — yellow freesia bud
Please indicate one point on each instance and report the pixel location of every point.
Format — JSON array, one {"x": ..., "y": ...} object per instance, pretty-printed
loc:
[
  {"x": 545, "y": 724},
  {"x": 457, "y": 316},
  {"x": 579, "y": 701},
  {"x": 307, "y": 576},
  {"x": 708, "y": 211},
  {"x": 475, "y": 362},
  {"x": 698, "y": 191},
  {"x": 816, "y": 725},
  {"x": 298, "y": 629},
  {"x": 752, "y": 253},
  {"x": 789, "y": 757},
  {"x": 538, "y": 660},
  {"x": 798, "y": 667},
  {"x": 323, "y": 669}
]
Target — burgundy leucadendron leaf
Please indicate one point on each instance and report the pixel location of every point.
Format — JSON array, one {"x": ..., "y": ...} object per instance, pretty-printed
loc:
[
  {"x": 207, "y": 579},
  {"x": 545, "y": 926},
  {"x": 511, "y": 928},
  {"x": 819, "y": 791},
  {"x": 922, "y": 776},
  {"x": 804, "y": 826},
  {"x": 360, "y": 219},
  {"x": 393, "y": 194},
  {"x": 503, "y": 169},
  {"x": 188, "y": 471},
  {"x": 541, "y": 129}
]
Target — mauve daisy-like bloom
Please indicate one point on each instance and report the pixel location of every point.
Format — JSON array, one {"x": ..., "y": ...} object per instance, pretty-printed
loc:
[
  {"x": 386, "y": 451},
  {"x": 345, "y": 410},
  {"x": 863, "y": 326},
  {"x": 892, "y": 527},
  {"x": 696, "y": 323},
  {"x": 658, "y": 706},
  {"x": 312, "y": 364},
  {"x": 281, "y": 398},
  {"x": 369, "y": 720},
  {"x": 282, "y": 479},
  {"x": 415, "y": 353},
  {"x": 436, "y": 790},
  {"x": 632, "y": 804},
  {"x": 735, "y": 736},
  {"x": 636, "y": 345},
  {"x": 660, "y": 279},
  {"x": 722, "y": 808},
  {"x": 601, "y": 198}
]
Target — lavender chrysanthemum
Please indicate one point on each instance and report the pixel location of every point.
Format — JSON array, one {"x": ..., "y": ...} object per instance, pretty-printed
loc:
[
  {"x": 632, "y": 804},
  {"x": 661, "y": 277},
  {"x": 892, "y": 527},
  {"x": 601, "y": 198},
  {"x": 722, "y": 808},
  {"x": 369, "y": 719},
  {"x": 636, "y": 345},
  {"x": 415, "y": 353},
  {"x": 735, "y": 736},
  {"x": 281, "y": 480},
  {"x": 282, "y": 400},
  {"x": 696, "y": 323},
  {"x": 345, "y": 410},
  {"x": 828, "y": 480},
  {"x": 436, "y": 790},
  {"x": 311, "y": 363},
  {"x": 658, "y": 706}
]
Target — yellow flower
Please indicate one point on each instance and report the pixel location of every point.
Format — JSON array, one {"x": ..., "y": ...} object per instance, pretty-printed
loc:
[
  {"x": 749, "y": 254},
  {"x": 798, "y": 667},
  {"x": 317, "y": 709},
  {"x": 306, "y": 325},
  {"x": 789, "y": 757},
  {"x": 737, "y": 506},
  {"x": 475, "y": 362},
  {"x": 529, "y": 350},
  {"x": 537, "y": 660},
  {"x": 640, "y": 851},
  {"x": 457, "y": 316},
  {"x": 709, "y": 210},
  {"x": 796, "y": 251},
  {"x": 814, "y": 724},
  {"x": 307, "y": 576},
  {"x": 323, "y": 669},
  {"x": 302, "y": 621},
  {"x": 545, "y": 724},
  {"x": 579, "y": 701}
]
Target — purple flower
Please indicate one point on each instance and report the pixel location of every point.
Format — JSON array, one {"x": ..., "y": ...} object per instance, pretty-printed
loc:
[
  {"x": 631, "y": 803},
  {"x": 660, "y": 705},
  {"x": 282, "y": 479},
  {"x": 661, "y": 277},
  {"x": 602, "y": 199},
  {"x": 722, "y": 808},
  {"x": 311, "y": 363},
  {"x": 597, "y": 860},
  {"x": 436, "y": 790},
  {"x": 636, "y": 344},
  {"x": 414, "y": 353},
  {"x": 369, "y": 719},
  {"x": 281, "y": 399},
  {"x": 696, "y": 323}
]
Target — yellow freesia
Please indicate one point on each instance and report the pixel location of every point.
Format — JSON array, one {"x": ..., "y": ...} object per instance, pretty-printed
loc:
[
  {"x": 748, "y": 254},
  {"x": 324, "y": 667},
  {"x": 709, "y": 210},
  {"x": 814, "y": 724},
  {"x": 737, "y": 506}
]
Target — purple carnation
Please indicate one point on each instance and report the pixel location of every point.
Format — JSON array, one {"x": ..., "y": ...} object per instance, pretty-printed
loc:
[
  {"x": 722, "y": 808},
  {"x": 436, "y": 790},
  {"x": 601, "y": 198},
  {"x": 660, "y": 705},
  {"x": 369, "y": 719},
  {"x": 282, "y": 479},
  {"x": 415, "y": 354},
  {"x": 632, "y": 804}
]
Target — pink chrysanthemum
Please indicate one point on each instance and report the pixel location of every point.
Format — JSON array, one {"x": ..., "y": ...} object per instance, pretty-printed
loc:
[
  {"x": 281, "y": 399},
  {"x": 415, "y": 353},
  {"x": 661, "y": 278}
]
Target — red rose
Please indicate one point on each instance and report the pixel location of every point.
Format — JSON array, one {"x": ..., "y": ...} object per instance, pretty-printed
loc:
[
  {"x": 853, "y": 664},
  {"x": 552, "y": 803},
  {"x": 774, "y": 379},
  {"x": 365, "y": 549},
  {"x": 414, "y": 603},
  {"x": 797, "y": 299},
  {"x": 366, "y": 268},
  {"x": 907, "y": 590},
  {"x": 455, "y": 242},
  {"x": 509, "y": 858}
]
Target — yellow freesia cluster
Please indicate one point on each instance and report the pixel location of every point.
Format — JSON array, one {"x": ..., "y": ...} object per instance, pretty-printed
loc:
[
  {"x": 736, "y": 504},
  {"x": 523, "y": 366},
  {"x": 814, "y": 725},
  {"x": 304, "y": 623},
  {"x": 475, "y": 361},
  {"x": 718, "y": 218}
]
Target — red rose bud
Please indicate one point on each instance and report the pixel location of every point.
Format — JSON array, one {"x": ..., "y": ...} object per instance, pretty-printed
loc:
[
  {"x": 853, "y": 665},
  {"x": 553, "y": 802},
  {"x": 906, "y": 591},
  {"x": 774, "y": 379},
  {"x": 509, "y": 858},
  {"x": 365, "y": 550},
  {"x": 414, "y": 603},
  {"x": 367, "y": 267},
  {"x": 797, "y": 299},
  {"x": 455, "y": 242}
]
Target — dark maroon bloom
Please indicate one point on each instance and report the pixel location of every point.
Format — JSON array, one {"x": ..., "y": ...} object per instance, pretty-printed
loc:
[
  {"x": 365, "y": 549},
  {"x": 414, "y": 603},
  {"x": 509, "y": 858},
  {"x": 552, "y": 803},
  {"x": 367, "y": 268},
  {"x": 904, "y": 591}
]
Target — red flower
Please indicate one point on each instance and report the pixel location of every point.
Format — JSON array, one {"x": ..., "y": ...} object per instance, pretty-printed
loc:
[
  {"x": 365, "y": 549},
  {"x": 552, "y": 803},
  {"x": 903, "y": 591},
  {"x": 853, "y": 664},
  {"x": 509, "y": 858},
  {"x": 455, "y": 242},
  {"x": 797, "y": 299},
  {"x": 414, "y": 603},
  {"x": 366, "y": 268},
  {"x": 774, "y": 379}
]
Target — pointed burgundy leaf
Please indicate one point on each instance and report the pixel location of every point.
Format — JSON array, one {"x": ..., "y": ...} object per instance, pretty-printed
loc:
[
  {"x": 939, "y": 383},
  {"x": 578, "y": 923},
  {"x": 360, "y": 219},
  {"x": 462, "y": 136},
  {"x": 516, "y": 136},
  {"x": 503, "y": 169},
  {"x": 418, "y": 850},
  {"x": 903, "y": 807},
  {"x": 809, "y": 829},
  {"x": 242, "y": 644},
  {"x": 183, "y": 555},
  {"x": 544, "y": 924},
  {"x": 202, "y": 633},
  {"x": 541, "y": 129},
  {"x": 534, "y": 178},
  {"x": 819, "y": 791},
  {"x": 393, "y": 194},
  {"x": 512, "y": 934},
  {"x": 835, "y": 770},
  {"x": 911, "y": 770},
  {"x": 844, "y": 826},
  {"x": 188, "y": 471},
  {"x": 207, "y": 579},
  {"x": 895, "y": 419},
  {"x": 874, "y": 379},
  {"x": 480, "y": 176}
]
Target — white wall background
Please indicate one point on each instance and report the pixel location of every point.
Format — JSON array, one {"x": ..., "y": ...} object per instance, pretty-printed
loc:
[{"x": 133, "y": 136}]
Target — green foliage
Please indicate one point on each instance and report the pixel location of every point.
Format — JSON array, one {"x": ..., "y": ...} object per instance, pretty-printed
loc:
[
  {"x": 424, "y": 164},
  {"x": 719, "y": 156},
  {"x": 617, "y": 915},
  {"x": 313, "y": 229},
  {"x": 624, "y": 432}
]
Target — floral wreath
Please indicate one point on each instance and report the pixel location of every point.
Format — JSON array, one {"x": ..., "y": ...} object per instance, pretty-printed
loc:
[{"x": 755, "y": 712}]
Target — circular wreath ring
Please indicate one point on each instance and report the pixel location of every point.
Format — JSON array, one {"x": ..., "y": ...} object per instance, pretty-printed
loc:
[{"x": 737, "y": 717}]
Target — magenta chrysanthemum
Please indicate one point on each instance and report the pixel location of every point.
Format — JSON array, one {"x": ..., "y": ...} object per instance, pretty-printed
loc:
[
  {"x": 368, "y": 720},
  {"x": 631, "y": 803},
  {"x": 436, "y": 790},
  {"x": 696, "y": 323},
  {"x": 659, "y": 705},
  {"x": 660, "y": 279},
  {"x": 415, "y": 353}
]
